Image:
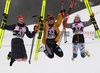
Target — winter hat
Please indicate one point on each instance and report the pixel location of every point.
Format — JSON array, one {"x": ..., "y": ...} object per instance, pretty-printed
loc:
[
  {"x": 50, "y": 18},
  {"x": 20, "y": 16},
  {"x": 78, "y": 16}
]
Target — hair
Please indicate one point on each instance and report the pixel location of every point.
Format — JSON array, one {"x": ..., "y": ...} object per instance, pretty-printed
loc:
[{"x": 47, "y": 16}]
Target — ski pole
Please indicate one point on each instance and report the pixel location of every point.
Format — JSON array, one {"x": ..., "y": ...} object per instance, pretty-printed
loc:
[{"x": 31, "y": 49}]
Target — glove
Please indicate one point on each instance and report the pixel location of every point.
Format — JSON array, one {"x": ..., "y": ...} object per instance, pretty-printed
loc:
[
  {"x": 35, "y": 28},
  {"x": 81, "y": 28},
  {"x": 40, "y": 19},
  {"x": 74, "y": 29},
  {"x": 92, "y": 18},
  {"x": 62, "y": 12},
  {"x": 3, "y": 26}
]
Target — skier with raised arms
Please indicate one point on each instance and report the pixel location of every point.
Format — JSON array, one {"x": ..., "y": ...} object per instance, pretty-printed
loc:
[
  {"x": 78, "y": 38},
  {"x": 51, "y": 35},
  {"x": 18, "y": 52}
]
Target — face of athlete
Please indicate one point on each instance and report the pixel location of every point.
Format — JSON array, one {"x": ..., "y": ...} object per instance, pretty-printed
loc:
[
  {"x": 77, "y": 19},
  {"x": 51, "y": 21},
  {"x": 20, "y": 20}
]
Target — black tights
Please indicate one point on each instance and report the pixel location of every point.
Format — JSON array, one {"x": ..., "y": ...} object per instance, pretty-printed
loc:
[{"x": 52, "y": 48}]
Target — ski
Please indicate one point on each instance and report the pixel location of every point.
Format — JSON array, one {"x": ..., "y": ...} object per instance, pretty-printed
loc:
[
  {"x": 69, "y": 11},
  {"x": 92, "y": 18},
  {"x": 40, "y": 30},
  {"x": 65, "y": 22},
  {"x": 4, "y": 20}
]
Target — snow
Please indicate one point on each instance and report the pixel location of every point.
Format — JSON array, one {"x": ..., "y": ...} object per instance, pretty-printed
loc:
[{"x": 56, "y": 65}]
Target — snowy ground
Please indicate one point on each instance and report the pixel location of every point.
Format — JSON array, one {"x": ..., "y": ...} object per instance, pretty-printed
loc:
[{"x": 56, "y": 65}]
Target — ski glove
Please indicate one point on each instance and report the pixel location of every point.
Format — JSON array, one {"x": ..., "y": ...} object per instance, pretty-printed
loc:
[
  {"x": 62, "y": 12},
  {"x": 3, "y": 26},
  {"x": 74, "y": 29},
  {"x": 35, "y": 28},
  {"x": 92, "y": 18},
  {"x": 81, "y": 28},
  {"x": 40, "y": 19}
]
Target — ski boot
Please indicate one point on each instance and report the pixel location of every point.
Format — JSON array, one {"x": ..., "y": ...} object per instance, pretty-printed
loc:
[
  {"x": 41, "y": 49},
  {"x": 12, "y": 61},
  {"x": 9, "y": 56},
  {"x": 87, "y": 53},
  {"x": 65, "y": 42},
  {"x": 73, "y": 58}
]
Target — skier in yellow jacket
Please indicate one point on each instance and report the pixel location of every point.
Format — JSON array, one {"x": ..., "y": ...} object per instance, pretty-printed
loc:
[{"x": 52, "y": 35}]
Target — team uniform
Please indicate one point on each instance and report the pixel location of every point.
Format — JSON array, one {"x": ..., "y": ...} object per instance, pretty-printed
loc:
[{"x": 78, "y": 37}]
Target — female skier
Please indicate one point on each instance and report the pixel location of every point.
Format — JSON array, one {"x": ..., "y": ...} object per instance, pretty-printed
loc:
[
  {"x": 52, "y": 35},
  {"x": 18, "y": 52},
  {"x": 78, "y": 38}
]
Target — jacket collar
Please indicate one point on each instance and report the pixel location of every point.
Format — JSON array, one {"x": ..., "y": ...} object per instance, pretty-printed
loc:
[
  {"x": 77, "y": 22},
  {"x": 21, "y": 25},
  {"x": 51, "y": 25}
]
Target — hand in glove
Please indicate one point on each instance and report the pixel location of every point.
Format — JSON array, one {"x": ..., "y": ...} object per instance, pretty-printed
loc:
[
  {"x": 62, "y": 12},
  {"x": 35, "y": 28},
  {"x": 74, "y": 29},
  {"x": 3, "y": 26},
  {"x": 92, "y": 17},
  {"x": 81, "y": 28}
]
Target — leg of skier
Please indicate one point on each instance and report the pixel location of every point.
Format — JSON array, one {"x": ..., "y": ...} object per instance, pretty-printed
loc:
[
  {"x": 9, "y": 56},
  {"x": 21, "y": 59},
  {"x": 58, "y": 51},
  {"x": 82, "y": 49},
  {"x": 55, "y": 48},
  {"x": 84, "y": 52},
  {"x": 48, "y": 51},
  {"x": 12, "y": 61},
  {"x": 75, "y": 49}
]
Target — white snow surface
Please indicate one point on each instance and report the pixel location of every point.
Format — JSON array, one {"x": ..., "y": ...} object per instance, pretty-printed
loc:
[{"x": 56, "y": 65}]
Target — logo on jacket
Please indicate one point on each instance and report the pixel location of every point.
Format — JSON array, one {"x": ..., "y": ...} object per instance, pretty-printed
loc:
[
  {"x": 76, "y": 24},
  {"x": 50, "y": 28},
  {"x": 20, "y": 28}
]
